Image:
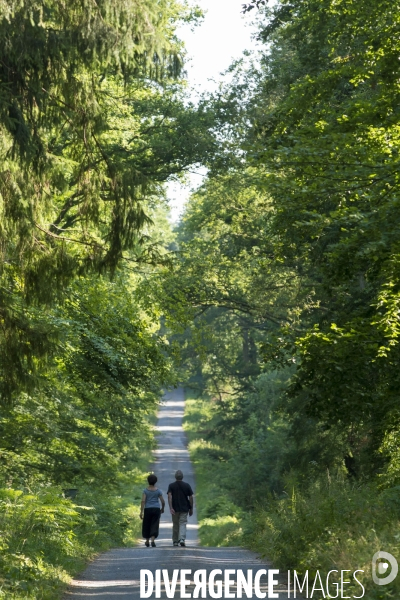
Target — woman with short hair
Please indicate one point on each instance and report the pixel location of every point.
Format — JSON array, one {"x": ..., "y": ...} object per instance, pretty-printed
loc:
[{"x": 150, "y": 511}]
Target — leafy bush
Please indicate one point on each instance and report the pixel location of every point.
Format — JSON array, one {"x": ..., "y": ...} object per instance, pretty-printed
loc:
[
  {"x": 38, "y": 541},
  {"x": 333, "y": 524},
  {"x": 46, "y": 538},
  {"x": 312, "y": 522}
]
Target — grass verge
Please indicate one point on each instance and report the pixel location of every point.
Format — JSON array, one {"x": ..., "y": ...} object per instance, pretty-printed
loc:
[{"x": 221, "y": 521}]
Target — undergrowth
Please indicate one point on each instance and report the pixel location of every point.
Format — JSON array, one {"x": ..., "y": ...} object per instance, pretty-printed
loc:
[
  {"x": 328, "y": 522},
  {"x": 221, "y": 521},
  {"x": 45, "y": 538}
]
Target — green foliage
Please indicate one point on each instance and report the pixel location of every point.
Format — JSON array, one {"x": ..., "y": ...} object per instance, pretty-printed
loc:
[
  {"x": 37, "y": 534},
  {"x": 288, "y": 254},
  {"x": 75, "y": 164},
  {"x": 47, "y": 538},
  {"x": 322, "y": 523},
  {"x": 220, "y": 518},
  {"x": 332, "y": 525},
  {"x": 93, "y": 123},
  {"x": 80, "y": 424},
  {"x": 325, "y": 134}
]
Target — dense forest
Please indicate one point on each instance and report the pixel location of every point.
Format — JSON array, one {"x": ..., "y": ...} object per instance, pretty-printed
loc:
[
  {"x": 93, "y": 123},
  {"x": 287, "y": 293},
  {"x": 275, "y": 300}
]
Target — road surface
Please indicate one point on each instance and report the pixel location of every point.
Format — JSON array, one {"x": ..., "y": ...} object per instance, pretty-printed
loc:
[{"x": 115, "y": 575}]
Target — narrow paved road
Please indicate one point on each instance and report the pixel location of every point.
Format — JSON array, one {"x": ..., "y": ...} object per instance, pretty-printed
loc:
[
  {"x": 115, "y": 575},
  {"x": 172, "y": 454}
]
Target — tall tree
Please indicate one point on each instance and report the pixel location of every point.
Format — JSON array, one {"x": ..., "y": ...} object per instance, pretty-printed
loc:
[
  {"x": 318, "y": 128},
  {"x": 325, "y": 129},
  {"x": 92, "y": 122}
]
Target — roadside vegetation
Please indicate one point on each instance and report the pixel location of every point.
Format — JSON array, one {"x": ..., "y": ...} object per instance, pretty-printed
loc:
[
  {"x": 326, "y": 522},
  {"x": 92, "y": 118},
  {"x": 285, "y": 299},
  {"x": 276, "y": 300},
  {"x": 47, "y": 537},
  {"x": 220, "y": 517}
]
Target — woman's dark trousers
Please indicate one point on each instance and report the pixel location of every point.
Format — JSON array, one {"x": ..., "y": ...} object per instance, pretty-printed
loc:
[{"x": 151, "y": 522}]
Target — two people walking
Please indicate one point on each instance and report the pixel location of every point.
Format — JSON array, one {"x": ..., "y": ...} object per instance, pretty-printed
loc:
[{"x": 180, "y": 501}]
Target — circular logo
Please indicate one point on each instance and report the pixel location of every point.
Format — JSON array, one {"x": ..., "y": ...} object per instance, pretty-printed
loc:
[{"x": 382, "y": 568}]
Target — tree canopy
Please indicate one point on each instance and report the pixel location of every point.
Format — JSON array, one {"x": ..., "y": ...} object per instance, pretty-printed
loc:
[
  {"x": 278, "y": 293},
  {"x": 93, "y": 123},
  {"x": 290, "y": 249}
]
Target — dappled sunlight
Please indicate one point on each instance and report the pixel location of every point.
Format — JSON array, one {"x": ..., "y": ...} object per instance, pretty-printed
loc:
[
  {"x": 172, "y": 403},
  {"x": 168, "y": 428},
  {"x": 170, "y": 451},
  {"x": 104, "y": 584}
]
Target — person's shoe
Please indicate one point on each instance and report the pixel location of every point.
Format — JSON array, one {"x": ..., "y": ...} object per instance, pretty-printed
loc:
[
  {"x": 153, "y": 544},
  {"x": 182, "y": 543},
  {"x": 147, "y": 543},
  {"x": 176, "y": 544}
]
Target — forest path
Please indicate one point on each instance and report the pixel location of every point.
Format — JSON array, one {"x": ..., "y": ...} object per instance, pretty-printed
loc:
[{"x": 115, "y": 575}]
